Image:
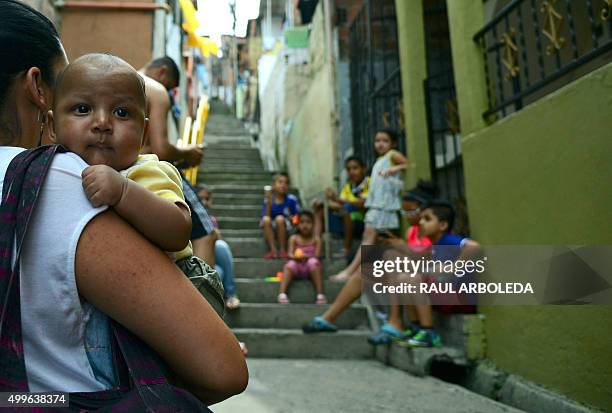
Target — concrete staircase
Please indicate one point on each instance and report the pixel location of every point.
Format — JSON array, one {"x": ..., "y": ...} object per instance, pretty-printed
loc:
[{"x": 233, "y": 170}]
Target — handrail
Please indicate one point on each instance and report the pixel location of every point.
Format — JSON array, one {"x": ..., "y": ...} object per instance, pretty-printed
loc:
[
  {"x": 195, "y": 135},
  {"x": 528, "y": 45},
  {"x": 497, "y": 18}
]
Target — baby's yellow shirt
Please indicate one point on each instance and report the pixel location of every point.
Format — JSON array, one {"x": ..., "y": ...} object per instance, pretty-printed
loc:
[{"x": 164, "y": 180}]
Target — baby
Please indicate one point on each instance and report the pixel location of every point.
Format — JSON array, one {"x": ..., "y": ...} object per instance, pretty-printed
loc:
[{"x": 100, "y": 114}]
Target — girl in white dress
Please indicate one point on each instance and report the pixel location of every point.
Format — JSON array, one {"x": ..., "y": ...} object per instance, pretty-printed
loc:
[{"x": 383, "y": 200}]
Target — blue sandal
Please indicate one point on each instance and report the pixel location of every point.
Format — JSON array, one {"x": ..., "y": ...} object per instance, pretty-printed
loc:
[
  {"x": 319, "y": 325},
  {"x": 386, "y": 334}
]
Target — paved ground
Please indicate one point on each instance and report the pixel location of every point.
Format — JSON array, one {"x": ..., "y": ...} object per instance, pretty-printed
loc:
[{"x": 296, "y": 386}]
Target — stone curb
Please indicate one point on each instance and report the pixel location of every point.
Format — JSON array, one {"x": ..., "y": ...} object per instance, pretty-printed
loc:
[{"x": 486, "y": 380}]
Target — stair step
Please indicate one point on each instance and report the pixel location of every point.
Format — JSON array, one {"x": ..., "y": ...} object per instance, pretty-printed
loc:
[
  {"x": 241, "y": 233},
  {"x": 250, "y": 210},
  {"x": 238, "y": 143},
  {"x": 258, "y": 290},
  {"x": 237, "y": 222},
  {"x": 264, "y": 177},
  {"x": 241, "y": 199},
  {"x": 261, "y": 268},
  {"x": 293, "y": 343},
  {"x": 229, "y": 153},
  {"x": 247, "y": 247},
  {"x": 418, "y": 361},
  {"x": 256, "y": 246},
  {"x": 231, "y": 168},
  {"x": 266, "y": 315},
  {"x": 236, "y": 189}
]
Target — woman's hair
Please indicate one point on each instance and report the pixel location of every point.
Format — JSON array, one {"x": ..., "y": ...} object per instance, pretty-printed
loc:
[
  {"x": 392, "y": 133},
  {"x": 27, "y": 39}
]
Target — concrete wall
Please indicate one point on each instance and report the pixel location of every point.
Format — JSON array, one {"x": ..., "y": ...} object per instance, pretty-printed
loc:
[
  {"x": 280, "y": 102},
  {"x": 539, "y": 176},
  {"x": 125, "y": 33},
  {"x": 542, "y": 176},
  {"x": 311, "y": 150},
  {"x": 310, "y": 153},
  {"x": 297, "y": 132}
]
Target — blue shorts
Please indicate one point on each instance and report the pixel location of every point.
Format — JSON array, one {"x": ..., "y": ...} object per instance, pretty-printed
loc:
[{"x": 336, "y": 225}]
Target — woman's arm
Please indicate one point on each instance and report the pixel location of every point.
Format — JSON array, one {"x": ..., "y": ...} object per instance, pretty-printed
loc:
[{"x": 132, "y": 281}]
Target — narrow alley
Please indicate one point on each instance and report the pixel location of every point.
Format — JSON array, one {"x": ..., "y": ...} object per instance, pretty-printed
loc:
[{"x": 289, "y": 370}]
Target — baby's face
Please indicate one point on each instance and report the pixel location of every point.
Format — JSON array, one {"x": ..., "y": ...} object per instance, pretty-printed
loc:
[{"x": 100, "y": 115}]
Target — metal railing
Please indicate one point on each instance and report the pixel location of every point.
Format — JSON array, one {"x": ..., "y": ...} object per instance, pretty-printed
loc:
[
  {"x": 193, "y": 134},
  {"x": 445, "y": 144},
  {"x": 533, "y": 47},
  {"x": 376, "y": 90}
]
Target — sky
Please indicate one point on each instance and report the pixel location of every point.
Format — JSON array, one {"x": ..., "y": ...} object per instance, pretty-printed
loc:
[{"x": 216, "y": 19}]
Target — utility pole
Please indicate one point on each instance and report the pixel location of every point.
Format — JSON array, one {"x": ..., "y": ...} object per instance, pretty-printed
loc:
[{"x": 159, "y": 30}]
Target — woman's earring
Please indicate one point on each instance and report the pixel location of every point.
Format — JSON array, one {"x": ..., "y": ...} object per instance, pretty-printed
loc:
[{"x": 42, "y": 127}]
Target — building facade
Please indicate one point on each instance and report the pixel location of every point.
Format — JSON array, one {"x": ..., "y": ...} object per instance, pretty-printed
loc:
[{"x": 533, "y": 84}]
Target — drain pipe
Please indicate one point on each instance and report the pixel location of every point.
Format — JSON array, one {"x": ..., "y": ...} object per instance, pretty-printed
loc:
[
  {"x": 159, "y": 29},
  {"x": 112, "y": 5}
]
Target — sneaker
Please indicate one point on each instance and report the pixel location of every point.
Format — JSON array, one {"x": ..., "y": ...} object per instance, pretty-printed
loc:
[
  {"x": 411, "y": 330},
  {"x": 386, "y": 334},
  {"x": 232, "y": 302},
  {"x": 321, "y": 299},
  {"x": 319, "y": 325},
  {"x": 282, "y": 298},
  {"x": 425, "y": 338}
]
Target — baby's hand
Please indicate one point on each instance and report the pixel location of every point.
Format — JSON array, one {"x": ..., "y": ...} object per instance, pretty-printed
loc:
[{"x": 103, "y": 185}]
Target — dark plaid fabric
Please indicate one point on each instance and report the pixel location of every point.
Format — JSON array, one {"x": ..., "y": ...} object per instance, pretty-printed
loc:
[
  {"x": 143, "y": 387},
  {"x": 198, "y": 212},
  {"x": 22, "y": 183}
]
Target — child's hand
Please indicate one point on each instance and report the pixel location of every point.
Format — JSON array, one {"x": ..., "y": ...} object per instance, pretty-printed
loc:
[
  {"x": 103, "y": 185},
  {"x": 330, "y": 193},
  {"x": 388, "y": 172}
]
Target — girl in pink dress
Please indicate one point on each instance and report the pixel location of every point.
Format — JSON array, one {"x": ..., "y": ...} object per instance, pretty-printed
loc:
[{"x": 304, "y": 248}]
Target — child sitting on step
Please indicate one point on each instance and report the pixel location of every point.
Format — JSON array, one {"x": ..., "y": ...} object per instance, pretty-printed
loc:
[
  {"x": 304, "y": 248},
  {"x": 435, "y": 223},
  {"x": 277, "y": 213},
  {"x": 100, "y": 114}
]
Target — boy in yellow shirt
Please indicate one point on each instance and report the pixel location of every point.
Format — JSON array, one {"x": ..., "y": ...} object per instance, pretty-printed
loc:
[{"x": 347, "y": 210}]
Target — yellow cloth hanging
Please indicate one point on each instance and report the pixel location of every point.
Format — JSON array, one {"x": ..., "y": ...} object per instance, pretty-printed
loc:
[{"x": 190, "y": 25}]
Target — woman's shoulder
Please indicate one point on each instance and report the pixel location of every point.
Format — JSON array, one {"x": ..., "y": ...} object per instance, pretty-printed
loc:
[
  {"x": 66, "y": 163},
  {"x": 69, "y": 161}
]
